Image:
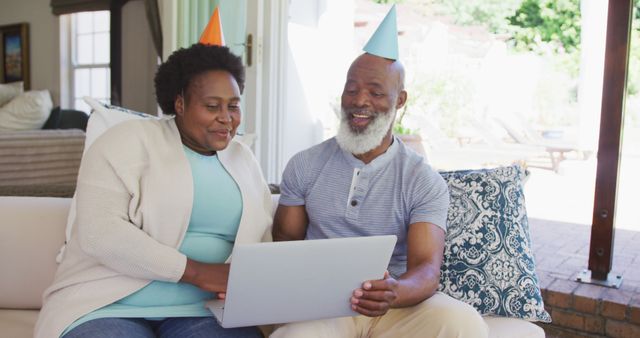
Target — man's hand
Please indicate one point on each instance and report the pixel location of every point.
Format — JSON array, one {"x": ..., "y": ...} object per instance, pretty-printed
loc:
[
  {"x": 375, "y": 297},
  {"x": 208, "y": 277},
  {"x": 425, "y": 249}
]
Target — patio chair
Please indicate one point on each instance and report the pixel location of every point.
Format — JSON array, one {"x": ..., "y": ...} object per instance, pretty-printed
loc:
[
  {"x": 522, "y": 133},
  {"x": 530, "y": 155},
  {"x": 447, "y": 153}
]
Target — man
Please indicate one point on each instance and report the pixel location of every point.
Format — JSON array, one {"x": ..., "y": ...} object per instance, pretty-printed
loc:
[{"x": 366, "y": 182}]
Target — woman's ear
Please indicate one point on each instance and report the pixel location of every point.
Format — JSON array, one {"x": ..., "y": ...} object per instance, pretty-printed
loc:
[{"x": 178, "y": 105}]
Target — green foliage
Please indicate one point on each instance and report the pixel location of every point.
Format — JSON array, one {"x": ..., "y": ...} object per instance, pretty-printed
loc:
[
  {"x": 634, "y": 61},
  {"x": 539, "y": 25},
  {"x": 489, "y": 13},
  {"x": 384, "y": 2},
  {"x": 399, "y": 129},
  {"x": 536, "y": 25},
  {"x": 445, "y": 95},
  {"x": 632, "y": 114},
  {"x": 551, "y": 28},
  {"x": 555, "y": 103}
]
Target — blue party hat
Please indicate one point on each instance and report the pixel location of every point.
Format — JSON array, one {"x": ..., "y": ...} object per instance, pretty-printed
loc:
[{"x": 384, "y": 42}]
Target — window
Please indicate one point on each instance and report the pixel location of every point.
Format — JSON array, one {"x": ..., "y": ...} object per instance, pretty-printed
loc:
[{"x": 88, "y": 48}]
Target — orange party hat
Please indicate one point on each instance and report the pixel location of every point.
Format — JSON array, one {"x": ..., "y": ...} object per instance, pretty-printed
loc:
[{"x": 212, "y": 34}]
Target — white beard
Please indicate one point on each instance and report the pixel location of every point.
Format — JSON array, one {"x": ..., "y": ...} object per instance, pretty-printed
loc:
[{"x": 361, "y": 142}]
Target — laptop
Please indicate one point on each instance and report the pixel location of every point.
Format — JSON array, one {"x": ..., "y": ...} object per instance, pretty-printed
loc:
[{"x": 283, "y": 282}]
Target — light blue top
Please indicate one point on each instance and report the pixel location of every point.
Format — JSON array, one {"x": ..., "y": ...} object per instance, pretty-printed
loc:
[
  {"x": 344, "y": 197},
  {"x": 215, "y": 217}
]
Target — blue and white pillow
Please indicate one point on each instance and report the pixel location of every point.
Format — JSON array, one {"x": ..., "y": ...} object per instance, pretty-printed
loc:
[{"x": 488, "y": 261}]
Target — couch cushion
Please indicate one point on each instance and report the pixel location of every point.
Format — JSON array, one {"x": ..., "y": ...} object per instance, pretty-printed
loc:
[
  {"x": 73, "y": 119},
  {"x": 18, "y": 323},
  {"x": 31, "y": 232},
  {"x": 27, "y": 111},
  {"x": 500, "y": 327},
  {"x": 9, "y": 90},
  {"x": 66, "y": 119},
  {"x": 488, "y": 259},
  {"x": 53, "y": 120}
]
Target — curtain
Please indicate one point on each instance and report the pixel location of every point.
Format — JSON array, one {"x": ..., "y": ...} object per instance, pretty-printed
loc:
[
  {"x": 193, "y": 16},
  {"x": 153, "y": 18},
  {"x": 233, "y": 15}
]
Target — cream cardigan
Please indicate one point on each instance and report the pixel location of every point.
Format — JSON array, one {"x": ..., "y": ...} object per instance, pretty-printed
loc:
[{"x": 134, "y": 199}]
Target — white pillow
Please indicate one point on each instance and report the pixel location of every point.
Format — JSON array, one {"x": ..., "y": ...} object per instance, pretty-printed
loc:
[
  {"x": 9, "y": 90},
  {"x": 27, "y": 111},
  {"x": 103, "y": 117},
  {"x": 246, "y": 139}
]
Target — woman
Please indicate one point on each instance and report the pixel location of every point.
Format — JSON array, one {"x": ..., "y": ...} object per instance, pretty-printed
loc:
[{"x": 160, "y": 204}]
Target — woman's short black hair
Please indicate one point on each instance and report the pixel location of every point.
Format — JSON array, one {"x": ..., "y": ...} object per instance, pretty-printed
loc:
[{"x": 174, "y": 76}]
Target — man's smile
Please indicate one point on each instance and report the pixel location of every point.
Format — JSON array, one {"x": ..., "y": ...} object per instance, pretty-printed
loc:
[{"x": 360, "y": 119}]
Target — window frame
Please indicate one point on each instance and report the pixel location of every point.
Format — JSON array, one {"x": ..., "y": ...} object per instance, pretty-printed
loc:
[{"x": 69, "y": 64}]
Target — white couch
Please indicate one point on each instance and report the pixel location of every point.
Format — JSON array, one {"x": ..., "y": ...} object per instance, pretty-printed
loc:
[{"x": 32, "y": 231}]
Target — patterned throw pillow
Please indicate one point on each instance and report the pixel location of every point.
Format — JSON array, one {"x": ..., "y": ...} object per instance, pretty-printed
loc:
[{"x": 488, "y": 261}]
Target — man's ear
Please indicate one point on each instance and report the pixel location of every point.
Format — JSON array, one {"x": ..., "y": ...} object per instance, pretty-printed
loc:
[
  {"x": 178, "y": 105},
  {"x": 402, "y": 99}
]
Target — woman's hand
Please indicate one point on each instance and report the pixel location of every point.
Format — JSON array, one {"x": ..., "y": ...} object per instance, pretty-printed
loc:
[
  {"x": 208, "y": 277},
  {"x": 375, "y": 297}
]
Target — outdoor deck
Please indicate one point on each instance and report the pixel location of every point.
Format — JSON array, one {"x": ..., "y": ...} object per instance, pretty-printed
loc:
[{"x": 581, "y": 310}]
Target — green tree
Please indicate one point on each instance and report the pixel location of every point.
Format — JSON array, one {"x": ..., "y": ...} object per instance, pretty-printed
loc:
[
  {"x": 538, "y": 25},
  {"x": 492, "y": 14},
  {"x": 633, "y": 81},
  {"x": 535, "y": 25},
  {"x": 384, "y": 2},
  {"x": 546, "y": 27}
]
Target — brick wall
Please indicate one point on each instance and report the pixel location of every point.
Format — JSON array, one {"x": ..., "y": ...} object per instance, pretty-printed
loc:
[{"x": 584, "y": 310}]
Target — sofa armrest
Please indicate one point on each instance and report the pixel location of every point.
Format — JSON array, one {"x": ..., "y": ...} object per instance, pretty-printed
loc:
[
  {"x": 274, "y": 203},
  {"x": 500, "y": 327},
  {"x": 40, "y": 157},
  {"x": 31, "y": 233}
]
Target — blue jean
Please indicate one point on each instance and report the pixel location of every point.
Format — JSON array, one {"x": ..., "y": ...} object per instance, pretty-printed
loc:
[{"x": 178, "y": 327}]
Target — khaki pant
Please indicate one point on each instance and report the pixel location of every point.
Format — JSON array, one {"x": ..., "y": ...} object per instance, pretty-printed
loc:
[{"x": 437, "y": 317}]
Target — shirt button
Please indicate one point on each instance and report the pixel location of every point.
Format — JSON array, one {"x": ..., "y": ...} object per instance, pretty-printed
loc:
[{"x": 354, "y": 203}]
